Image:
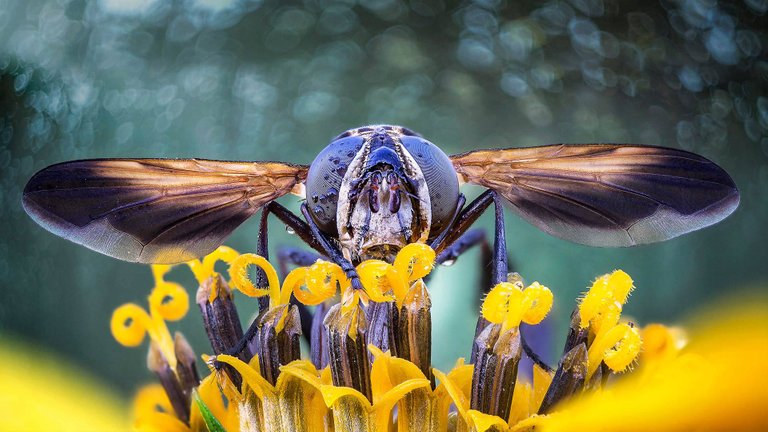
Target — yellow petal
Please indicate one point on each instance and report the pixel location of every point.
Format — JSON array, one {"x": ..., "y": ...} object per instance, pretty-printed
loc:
[
  {"x": 522, "y": 405},
  {"x": 459, "y": 398},
  {"x": 160, "y": 422},
  {"x": 541, "y": 381},
  {"x": 716, "y": 385},
  {"x": 251, "y": 376},
  {"x": 389, "y": 399},
  {"x": 332, "y": 394},
  {"x": 482, "y": 422}
]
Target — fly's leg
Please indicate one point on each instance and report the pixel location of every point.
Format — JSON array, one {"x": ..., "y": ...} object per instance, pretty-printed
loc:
[
  {"x": 471, "y": 238},
  {"x": 499, "y": 263},
  {"x": 331, "y": 250},
  {"x": 302, "y": 231},
  {"x": 287, "y": 256}
]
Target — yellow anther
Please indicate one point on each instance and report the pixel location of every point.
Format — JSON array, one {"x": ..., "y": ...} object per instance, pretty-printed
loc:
[
  {"x": 617, "y": 347},
  {"x": 415, "y": 261},
  {"x": 509, "y": 305},
  {"x": 496, "y": 304},
  {"x": 238, "y": 273},
  {"x": 603, "y": 302}
]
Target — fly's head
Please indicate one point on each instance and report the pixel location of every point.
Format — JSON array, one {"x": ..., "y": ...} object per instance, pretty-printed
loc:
[{"x": 379, "y": 188}]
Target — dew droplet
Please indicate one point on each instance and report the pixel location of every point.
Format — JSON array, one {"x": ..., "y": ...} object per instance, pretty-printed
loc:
[
  {"x": 449, "y": 262},
  {"x": 290, "y": 230},
  {"x": 516, "y": 279}
]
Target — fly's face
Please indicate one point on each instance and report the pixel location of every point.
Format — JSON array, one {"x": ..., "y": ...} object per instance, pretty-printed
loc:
[{"x": 379, "y": 188}]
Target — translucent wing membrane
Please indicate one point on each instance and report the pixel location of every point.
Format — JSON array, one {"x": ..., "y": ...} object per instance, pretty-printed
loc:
[
  {"x": 605, "y": 195},
  {"x": 154, "y": 210}
]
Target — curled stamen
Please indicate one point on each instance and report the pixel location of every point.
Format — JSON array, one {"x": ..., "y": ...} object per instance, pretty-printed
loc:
[
  {"x": 129, "y": 324},
  {"x": 415, "y": 261},
  {"x": 603, "y": 302},
  {"x": 167, "y": 302},
  {"x": 238, "y": 272},
  {"x": 204, "y": 269},
  {"x": 509, "y": 305},
  {"x": 378, "y": 278},
  {"x": 617, "y": 347},
  {"x": 320, "y": 280},
  {"x": 170, "y": 300}
]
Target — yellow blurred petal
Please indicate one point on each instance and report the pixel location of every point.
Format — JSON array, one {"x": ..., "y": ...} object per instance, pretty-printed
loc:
[
  {"x": 718, "y": 384},
  {"x": 209, "y": 392},
  {"x": 160, "y": 422},
  {"x": 148, "y": 399},
  {"x": 41, "y": 392}
]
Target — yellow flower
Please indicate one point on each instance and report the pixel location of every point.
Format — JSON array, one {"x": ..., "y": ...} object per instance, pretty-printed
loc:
[
  {"x": 352, "y": 411},
  {"x": 291, "y": 404},
  {"x": 708, "y": 381}
]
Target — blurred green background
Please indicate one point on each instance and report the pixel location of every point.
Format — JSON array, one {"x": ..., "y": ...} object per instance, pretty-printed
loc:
[{"x": 276, "y": 80}]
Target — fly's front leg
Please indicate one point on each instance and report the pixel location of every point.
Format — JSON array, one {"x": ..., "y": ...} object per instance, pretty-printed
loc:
[
  {"x": 302, "y": 230},
  {"x": 331, "y": 250}
]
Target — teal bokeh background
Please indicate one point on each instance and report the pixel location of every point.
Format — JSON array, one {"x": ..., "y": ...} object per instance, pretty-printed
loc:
[{"x": 253, "y": 80}]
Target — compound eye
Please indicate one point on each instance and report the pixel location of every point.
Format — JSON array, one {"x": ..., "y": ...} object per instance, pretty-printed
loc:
[
  {"x": 442, "y": 183},
  {"x": 324, "y": 180}
]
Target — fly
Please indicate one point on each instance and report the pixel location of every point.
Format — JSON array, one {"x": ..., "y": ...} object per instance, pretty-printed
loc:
[{"x": 375, "y": 189}]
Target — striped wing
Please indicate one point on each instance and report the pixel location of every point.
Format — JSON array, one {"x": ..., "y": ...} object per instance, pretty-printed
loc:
[
  {"x": 605, "y": 195},
  {"x": 154, "y": 210}
]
